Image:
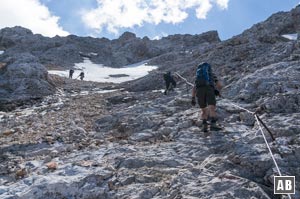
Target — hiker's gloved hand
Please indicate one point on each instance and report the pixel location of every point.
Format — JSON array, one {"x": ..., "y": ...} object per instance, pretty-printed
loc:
[
  {"x": 217, "y": 93},
  {"x": 193, "y": 101}
]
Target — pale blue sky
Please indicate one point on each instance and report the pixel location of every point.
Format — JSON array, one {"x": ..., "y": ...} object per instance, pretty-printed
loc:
[{"x": 152, "y": 18}]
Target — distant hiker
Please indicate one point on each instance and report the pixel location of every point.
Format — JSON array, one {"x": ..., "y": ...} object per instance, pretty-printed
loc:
[
  {"x": 204, "y": 90},
  {"x": 71, "y": 72},
  {"x": 170, "y": 82},
  {"x": 81, "y": 75}
]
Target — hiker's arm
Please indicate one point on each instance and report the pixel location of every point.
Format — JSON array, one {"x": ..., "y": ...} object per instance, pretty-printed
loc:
[
  {"x": 193, "y": 102},
  {"x": 219, "y": 85},
  {"x": 194, "y": 92}
]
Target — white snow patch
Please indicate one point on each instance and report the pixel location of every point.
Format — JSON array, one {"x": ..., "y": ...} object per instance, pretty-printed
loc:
[
  {"x": 1, "y": 52},
  {"x": 93, "y": 54},
  {"x": 106, "y": 91},
  {"x": 63, "y": 73},
  {"x": 158, "y": 91},
  {"x": 2, "y": 116},
  {"x": 82, "y": 93},
  {"x": 100, "y": 73},
  {"x": 290, "y": 36}
]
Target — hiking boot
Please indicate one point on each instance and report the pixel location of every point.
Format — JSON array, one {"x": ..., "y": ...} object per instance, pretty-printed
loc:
[
  {"x": 215, "y": 127},
  {"x": 205, "y": 128}
]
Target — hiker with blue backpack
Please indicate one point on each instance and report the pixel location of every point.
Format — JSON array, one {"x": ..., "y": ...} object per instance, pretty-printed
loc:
[{"x": 205, "y": 90}]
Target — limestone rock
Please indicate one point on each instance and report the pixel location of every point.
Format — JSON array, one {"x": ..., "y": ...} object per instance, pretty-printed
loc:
[{"x": 23, "y": 79}]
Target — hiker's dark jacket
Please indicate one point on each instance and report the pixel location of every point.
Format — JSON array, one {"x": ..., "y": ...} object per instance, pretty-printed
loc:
[{"x": 169, "y": 79}]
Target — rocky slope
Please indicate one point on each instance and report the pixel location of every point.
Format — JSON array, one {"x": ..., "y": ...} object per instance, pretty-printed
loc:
[
  {"x": 92, "y": 140},
  {"x": 139, "y": 145}
]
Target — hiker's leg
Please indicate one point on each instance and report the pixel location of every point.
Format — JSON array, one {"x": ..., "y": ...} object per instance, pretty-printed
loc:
[
  {"x": 211, "y": 100},
  {"x": 201, "y": 96},
  {"x": 173, "y": 84},
  {"x": 213, "y": 118},
  {"x": 204, "y": 117},
  {"x": 204, "y": 113},
  {"x": 208, "y": 113},
  {"x": 171, "y": 88},
  {"x": 212, "y": 111},
  {"x": 167, "y": 87}
]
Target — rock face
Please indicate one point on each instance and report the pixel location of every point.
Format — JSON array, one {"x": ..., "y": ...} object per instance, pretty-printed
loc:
[
  {"x": 23, "y": 78},
  {"x": 296, "y": 17},
  {"x": 65, "y": 51},
  {"x": 276, "y": 79},
  {"x": 257, "y": 47}
]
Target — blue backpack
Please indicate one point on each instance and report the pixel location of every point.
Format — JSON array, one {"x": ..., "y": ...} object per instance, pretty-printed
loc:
[{"x": 202, "y": 75}]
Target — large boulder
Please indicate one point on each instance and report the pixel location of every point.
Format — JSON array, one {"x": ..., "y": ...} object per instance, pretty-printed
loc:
[{"x": 22, "y": 79}]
